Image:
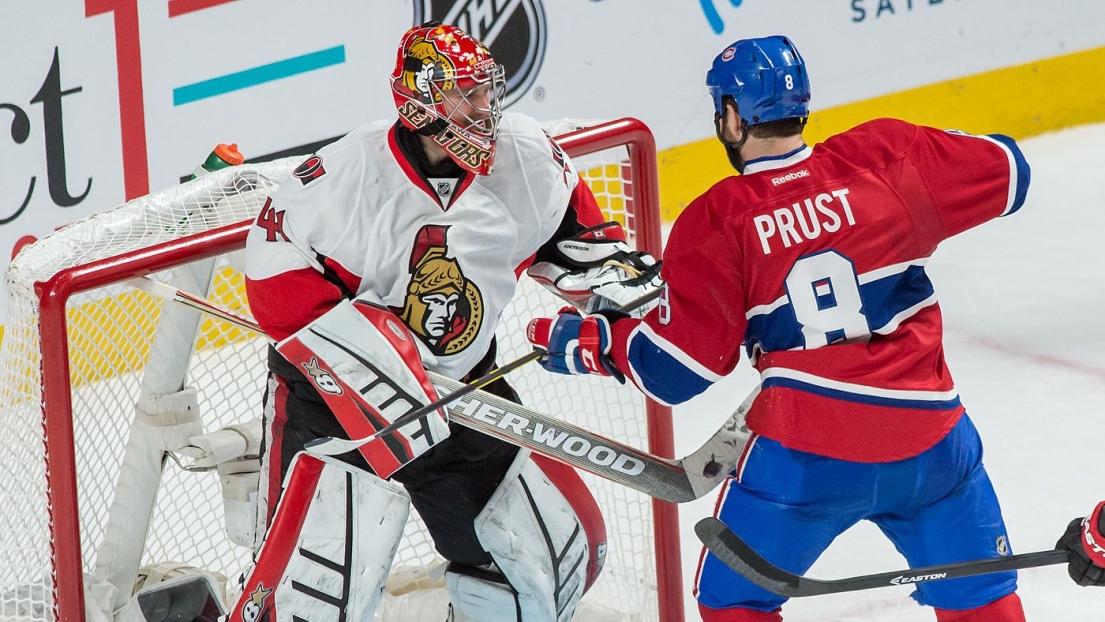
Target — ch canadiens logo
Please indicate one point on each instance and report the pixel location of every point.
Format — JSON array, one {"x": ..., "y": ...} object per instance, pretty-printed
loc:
[{"x": 515, "y": 32}]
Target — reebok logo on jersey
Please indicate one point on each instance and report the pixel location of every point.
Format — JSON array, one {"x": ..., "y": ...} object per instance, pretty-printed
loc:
[{"x": 778, "y": 181}]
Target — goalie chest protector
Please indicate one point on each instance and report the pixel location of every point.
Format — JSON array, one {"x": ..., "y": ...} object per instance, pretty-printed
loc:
[{"x": 445, "y": 259}]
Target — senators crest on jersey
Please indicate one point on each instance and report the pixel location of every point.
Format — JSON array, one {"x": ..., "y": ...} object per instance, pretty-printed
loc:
[{"x": 442, "y": 307}]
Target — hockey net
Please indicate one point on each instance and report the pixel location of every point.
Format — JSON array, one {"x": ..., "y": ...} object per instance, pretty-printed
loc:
[{"x": 84, "y": 478}]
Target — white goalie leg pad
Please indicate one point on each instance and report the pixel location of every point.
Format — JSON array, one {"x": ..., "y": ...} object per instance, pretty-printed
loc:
[
  {"x": 537, "y": 542},
  {"x": 329, "y": 549}
]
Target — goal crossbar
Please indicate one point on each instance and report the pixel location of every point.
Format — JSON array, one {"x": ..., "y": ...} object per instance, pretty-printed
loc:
[{"x": 54, "y": 293}]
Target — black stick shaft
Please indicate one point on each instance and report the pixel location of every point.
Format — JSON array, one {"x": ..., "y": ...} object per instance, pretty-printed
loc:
[{"x": 735, "y": 553}]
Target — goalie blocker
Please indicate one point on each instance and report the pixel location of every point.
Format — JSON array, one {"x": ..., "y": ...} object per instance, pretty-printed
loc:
[{"x": 352, "y": 371}]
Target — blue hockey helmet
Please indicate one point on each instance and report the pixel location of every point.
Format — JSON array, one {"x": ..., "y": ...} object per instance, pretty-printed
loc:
[{"x": 766, "y": 76}]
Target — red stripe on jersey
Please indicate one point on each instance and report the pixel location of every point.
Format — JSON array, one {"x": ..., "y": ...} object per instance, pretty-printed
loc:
[
  {"x": 522, "y": 267},
  {"x": 287, "y": 302},
  {"x": 465, "y": 181},
  {"x": 588, "y": 212},
  {"x": 350, "y": 280}
]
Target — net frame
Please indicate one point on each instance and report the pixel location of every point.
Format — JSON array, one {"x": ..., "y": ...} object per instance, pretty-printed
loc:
[{"x": 57, "y": 466}]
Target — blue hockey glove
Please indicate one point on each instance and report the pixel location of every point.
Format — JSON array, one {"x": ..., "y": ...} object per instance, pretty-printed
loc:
[{"x": 575, "y": 344}]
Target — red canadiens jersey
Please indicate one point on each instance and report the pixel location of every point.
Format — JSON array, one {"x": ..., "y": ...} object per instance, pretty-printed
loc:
[
  {"x": 443, "y": 254},
  {"x": 814, "y": 262}
]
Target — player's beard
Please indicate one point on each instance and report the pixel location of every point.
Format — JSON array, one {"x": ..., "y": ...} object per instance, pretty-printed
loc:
[{"x": 732, "y": 150}]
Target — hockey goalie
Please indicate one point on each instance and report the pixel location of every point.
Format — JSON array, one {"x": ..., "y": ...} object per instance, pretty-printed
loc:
[{"x": 392, "y": 251}]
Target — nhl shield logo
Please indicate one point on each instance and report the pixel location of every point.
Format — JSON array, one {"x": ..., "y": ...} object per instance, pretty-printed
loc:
[
  {"x": 515, "y": 33},
  {"x": 1002, "y": 545}
]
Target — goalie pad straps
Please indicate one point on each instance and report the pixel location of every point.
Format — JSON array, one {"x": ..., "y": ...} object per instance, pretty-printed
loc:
[
  {"x": 479, "y": 594},
  {"x": 597, "y": 270},
  {"x": 365, "y": 364},
  {"x": 548, "y": 548},
  {"x": 329, "y": 549}
]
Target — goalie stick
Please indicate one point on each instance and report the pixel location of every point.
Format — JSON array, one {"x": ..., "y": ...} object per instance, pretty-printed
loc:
[
  {"x": 673, "y": 480},
  {"x": 331, "y": 446},
  {"x": 735, "y": 553}
]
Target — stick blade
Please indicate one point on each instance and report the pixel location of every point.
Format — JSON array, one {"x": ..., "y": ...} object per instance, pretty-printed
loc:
[
  {"x": 329, "y": 446},
  {"x": 737, "y": 555}
]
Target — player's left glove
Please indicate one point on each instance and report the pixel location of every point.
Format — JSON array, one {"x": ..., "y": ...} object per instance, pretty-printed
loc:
[
  {"x": 1085, "y": 541},
  {"x": 575, "y": 344}
]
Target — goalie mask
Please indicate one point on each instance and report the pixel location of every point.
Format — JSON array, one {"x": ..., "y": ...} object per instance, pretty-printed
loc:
[{"x": 446, "y": 85}]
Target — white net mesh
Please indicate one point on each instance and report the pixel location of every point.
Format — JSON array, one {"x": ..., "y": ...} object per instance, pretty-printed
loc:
[{"x": 121, "y": 346}]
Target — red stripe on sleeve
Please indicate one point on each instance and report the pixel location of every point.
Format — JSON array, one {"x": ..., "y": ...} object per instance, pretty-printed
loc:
[
  {"x": 587, "y": 208},
  {"x": 287, "y": 302}
]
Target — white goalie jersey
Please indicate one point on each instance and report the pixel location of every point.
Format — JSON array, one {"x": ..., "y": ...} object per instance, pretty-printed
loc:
[{"x": 444, "y": 254}]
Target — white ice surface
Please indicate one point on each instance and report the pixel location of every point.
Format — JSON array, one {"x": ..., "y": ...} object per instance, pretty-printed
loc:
[{"x": 1023, "y": 301}]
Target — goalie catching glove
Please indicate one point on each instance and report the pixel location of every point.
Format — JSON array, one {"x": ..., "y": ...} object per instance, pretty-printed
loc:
[
  {"x": 1085, "y": 539},
  {"x": 596, "y": 270},
  {"x": 575, "y": 344}
]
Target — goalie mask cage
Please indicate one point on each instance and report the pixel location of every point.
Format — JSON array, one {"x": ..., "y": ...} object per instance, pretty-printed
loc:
[{"x": 92, "y": 491}]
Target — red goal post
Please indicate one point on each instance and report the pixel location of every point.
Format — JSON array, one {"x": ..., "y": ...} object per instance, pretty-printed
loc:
[{"x": 83, "y": 299}]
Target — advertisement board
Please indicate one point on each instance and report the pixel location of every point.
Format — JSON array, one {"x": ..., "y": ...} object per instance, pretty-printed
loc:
[{"x": 102, "y": 101}]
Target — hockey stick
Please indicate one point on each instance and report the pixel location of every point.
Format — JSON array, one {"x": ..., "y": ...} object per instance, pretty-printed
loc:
[
  {"x": 333, "y": 446},
  {"x": 330, "y": 446},
  {"x": 673, "y": 480},
  {"x": 735, "y": 553}
]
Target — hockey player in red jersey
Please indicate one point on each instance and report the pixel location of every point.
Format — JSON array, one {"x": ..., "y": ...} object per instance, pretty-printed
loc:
[
  {"x": 813, "y": 260},
  {"x": 389, "y": 251}
]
